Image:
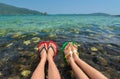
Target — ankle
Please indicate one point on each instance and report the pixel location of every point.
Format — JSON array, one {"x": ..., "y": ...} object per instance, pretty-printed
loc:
[
  {"x": 50, "y": 53},
  {"x": 75, "y": 56},
  {"x": 49, "y": 57},
  {"x": 43, "y": 60},
  {"x": 71, "y": 60}
]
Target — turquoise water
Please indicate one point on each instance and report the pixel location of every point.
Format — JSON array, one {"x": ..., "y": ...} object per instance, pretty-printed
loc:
[
  {"x": 98, "y": 36},
  {"x": 99, "y": 28}
]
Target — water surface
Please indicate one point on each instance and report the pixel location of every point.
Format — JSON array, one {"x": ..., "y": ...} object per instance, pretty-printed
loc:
[{"x": 98, "y": 36}]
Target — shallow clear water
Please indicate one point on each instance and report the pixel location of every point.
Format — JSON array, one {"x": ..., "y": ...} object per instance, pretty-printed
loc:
[
  {"x": 98, "y": 36},
  {"x": 98, "y": 28}
]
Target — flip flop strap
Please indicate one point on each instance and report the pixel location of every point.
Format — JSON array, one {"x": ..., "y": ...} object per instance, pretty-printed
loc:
[
  {"x": 42, "y": 49},
  {"x": 52, "y": 48},
  {"x": 75, "y": 51},
  {"x": 67, "y": 55}
]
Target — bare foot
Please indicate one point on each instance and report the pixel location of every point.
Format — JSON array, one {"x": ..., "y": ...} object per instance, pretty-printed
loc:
[
  {"x": 51, "y": 52},
  {"x": 75, "y": 52},
  {"x": 68, "y": 53},
  {"x": 43, "y": 53}
]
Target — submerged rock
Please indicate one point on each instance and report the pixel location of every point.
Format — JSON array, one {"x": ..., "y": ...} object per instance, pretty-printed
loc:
[
  {"x": 15, "y": 77},
  {"x": 46, "y": 30},
  {"x": 2, "y": 32},
  {"x": 35, "y": 33},
  {"x": 88, "y": 30},
  {"x": 35, "y": 39},
  {"x": 103, "y": 61},
  {"x": 23, "y": 36},
  {"x": 8, "y": 45},
  {"x": 110, "y": 35},
  {"x": 25, "y": 73},
  {"x": 109, "y": 45},
  {"x": 76, "y": 31},
  {"x": 27, "y": 42},
  {"x": 17, "y": 35},
  {"x": 94, "y": 49},
  {"x": 21, "y": 67},
  {"x": 36, "y": 49},
  {"x": 93, "y": 53},
  {"x": 1, "y": 74},
  {"x": 53, "y": 35},
  {"x": 100, "y": 60}
]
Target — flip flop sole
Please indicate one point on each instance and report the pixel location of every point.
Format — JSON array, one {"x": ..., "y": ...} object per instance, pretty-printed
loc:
[{"x": 63, "y": 47}]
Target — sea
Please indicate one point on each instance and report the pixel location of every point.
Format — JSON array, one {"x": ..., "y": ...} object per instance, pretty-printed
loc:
[{"x": 98, "y": 38}]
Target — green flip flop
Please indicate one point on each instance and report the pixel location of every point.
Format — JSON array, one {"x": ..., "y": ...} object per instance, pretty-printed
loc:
[{"x": 63, "y": 48}]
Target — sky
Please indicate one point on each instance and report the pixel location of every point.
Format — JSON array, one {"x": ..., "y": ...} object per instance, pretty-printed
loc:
[{"x": 69, "y": 6}]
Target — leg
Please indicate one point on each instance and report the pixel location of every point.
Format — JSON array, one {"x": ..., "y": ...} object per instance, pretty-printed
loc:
[
  {"x": 39, "y": 71},
  {"x": 53, "y": 72},
  {"x": 90, "y": 71},
  {"x": 79, "y": 74}
]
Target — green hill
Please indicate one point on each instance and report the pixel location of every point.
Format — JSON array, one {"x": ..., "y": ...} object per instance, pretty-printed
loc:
[
  {"x": 117, "y": 15},
  {"x": 91, "y": 14},
  {"x": 6, "y": 9}
]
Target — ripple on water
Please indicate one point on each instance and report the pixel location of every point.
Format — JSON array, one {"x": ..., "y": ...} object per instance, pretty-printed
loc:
[{"x": 98, "y": 39}]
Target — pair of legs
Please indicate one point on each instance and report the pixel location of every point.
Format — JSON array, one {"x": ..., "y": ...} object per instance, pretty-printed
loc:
[
  {"x": 53, "y": 72},
  {"x": 81, "y": 69}
]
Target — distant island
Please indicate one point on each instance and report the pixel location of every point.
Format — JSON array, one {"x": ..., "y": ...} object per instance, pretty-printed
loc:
[
  {"x": 117, "y": 15},
  {"x": 91, "y": 14},
  {"x": 6, "y": 9}
]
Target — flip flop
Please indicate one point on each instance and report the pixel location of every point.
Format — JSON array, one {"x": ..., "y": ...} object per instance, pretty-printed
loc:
[
  {"x": 40, "y": 49},
  {"x": 63, "y": 48},
  {"x": 54, "y": 49}
]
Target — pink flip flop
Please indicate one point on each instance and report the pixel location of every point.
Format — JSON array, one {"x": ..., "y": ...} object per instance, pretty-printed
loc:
[
  {"x": 40, "y": 49},
  {"x": 54, "y": 49}
]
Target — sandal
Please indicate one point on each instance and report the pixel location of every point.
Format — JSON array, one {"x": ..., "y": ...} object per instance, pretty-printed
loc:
[
  {"x": 40, "y": 49},
  {"x": 54, "y": 49},
  {"x": 70, "y": 53}
]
